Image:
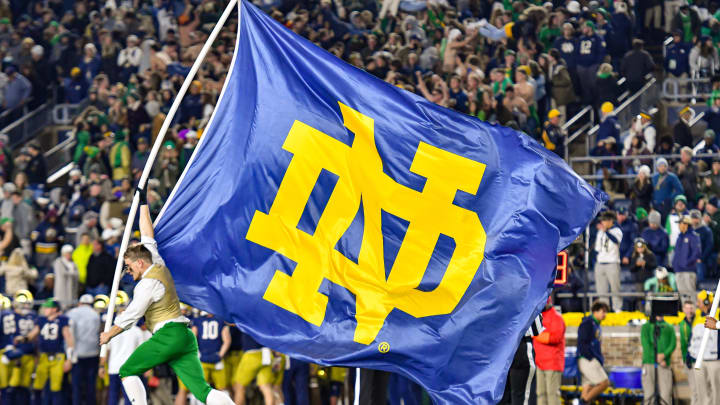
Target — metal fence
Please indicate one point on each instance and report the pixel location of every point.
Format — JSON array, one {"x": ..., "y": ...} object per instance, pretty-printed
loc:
[
  {"x": 595, "y": 160},
  {"x": 631, "y": 106}
]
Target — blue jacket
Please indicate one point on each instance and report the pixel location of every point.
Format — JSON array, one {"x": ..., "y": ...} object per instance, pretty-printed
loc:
[
  {"x": 669, "y": 189},
  {"x": 609, "y": 127},
  {"x": 677, "y": 58},
  {"x": 687, "y": 252},
  {"x": 568, "y": 50},
  {"x": 588, "y": 340},
  {"x": 591, "y": 50},
  {"x": 706, "y": 242},
  {"x": 658, "y": 241},
  {"x": 629, "y": 231}
]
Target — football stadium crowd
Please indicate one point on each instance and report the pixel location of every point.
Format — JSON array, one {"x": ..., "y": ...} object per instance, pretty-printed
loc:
[{"x": 529, "y": 65}]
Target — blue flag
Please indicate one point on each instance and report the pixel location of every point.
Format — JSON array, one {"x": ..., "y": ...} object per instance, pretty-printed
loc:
[{"x": 345, "y": 221}]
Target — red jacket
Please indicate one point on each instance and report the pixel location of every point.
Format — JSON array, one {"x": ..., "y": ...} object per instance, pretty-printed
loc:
[{"x": 550, "y": 345}]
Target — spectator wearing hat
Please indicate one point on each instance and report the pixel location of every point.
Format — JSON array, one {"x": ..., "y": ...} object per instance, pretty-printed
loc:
[
  {"x": 666, "y": 186},
  {"x": 590, "y": 54},
  {"x": 550, "y": 356},
  {"x": 85, "y": 326},
  {"x": 642, "y": 190},
  {"x": 672, "y": 223},
  {"x": 686, "y": 257},
  {"x": 609, "y": 126},
  {"x": 66, "y": 277},
  {"x": 75, "y": 87},
  {"x": 656, "y": 238},
  {"x": 643, "y": 126},
  {"x": 658, "y": 344},
  {"x": 629, "y": 228},
  {"x": 607, "y": 267},
  {"x": 707, "y": 258},
  {"x": 662, "y": 281},
  {"x": 681, "y": 131},
  {"x": 16, "y": 91},
  {"x": 677, "y": 53},
  {"x": 167, "y": 169},
  {"x": 552, "y": 135},
  {"x": 642, "y": 263}
]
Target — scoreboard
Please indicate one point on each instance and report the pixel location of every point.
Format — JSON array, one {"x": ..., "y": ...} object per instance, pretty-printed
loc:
[{"x": 562, "y": 267}]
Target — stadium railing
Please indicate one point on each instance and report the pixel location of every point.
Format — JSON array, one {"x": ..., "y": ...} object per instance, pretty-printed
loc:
[
  {"x": 594, "y": 160},
  {"x": 683, "y": 88},
  {"x": 630, "y": 106}
]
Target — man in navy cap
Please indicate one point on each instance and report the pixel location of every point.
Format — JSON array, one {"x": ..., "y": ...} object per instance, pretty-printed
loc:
[{"x": 629, "y": 229}]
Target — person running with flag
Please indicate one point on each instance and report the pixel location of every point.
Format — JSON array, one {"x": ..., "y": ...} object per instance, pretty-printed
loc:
[{"x": 172, "y": 342}]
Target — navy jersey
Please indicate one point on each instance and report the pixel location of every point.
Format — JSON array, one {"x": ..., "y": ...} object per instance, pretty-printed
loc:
[
  {"x": 236, "y": 337},
  {"x": 51, "y": 338},
  {"x": 7, "y": 328},
  {"x": 23, "y": 325},
  {"x": 209, "y": 337},
  {"x": 568, "y": 50},
  {"x": 591, "y": 50}
]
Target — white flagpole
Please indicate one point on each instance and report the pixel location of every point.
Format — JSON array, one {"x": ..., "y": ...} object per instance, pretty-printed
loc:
[
  {"x": 151, "y": 159},
  {"x": 706, "y": 334}
]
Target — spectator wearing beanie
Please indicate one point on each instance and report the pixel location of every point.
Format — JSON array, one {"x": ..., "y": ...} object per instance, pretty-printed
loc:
[
  {"x": 672, "y": 223},
  {"x": 666, "y": 186},
  {"x": 66, "y": 277},
  {"x": 550, "y": 356},
  {"x": 642, "y": 189},
  {"x": 642, "y": 263},
  {"x": 663, "y": 281},
  {"x": 706, "y": 245},
  {"x": 656, "y": 238},
  {"x": 685, "y": 257},
  {"x": 609, "y": 126},
  {"x": 681, "y": 131}
]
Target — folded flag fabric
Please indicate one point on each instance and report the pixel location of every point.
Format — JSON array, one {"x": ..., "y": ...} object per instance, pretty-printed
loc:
[{"x": 342, "y": 220}]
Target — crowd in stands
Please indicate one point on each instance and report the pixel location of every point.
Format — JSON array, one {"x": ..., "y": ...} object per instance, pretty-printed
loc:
[{"x": 529, "y": 65}]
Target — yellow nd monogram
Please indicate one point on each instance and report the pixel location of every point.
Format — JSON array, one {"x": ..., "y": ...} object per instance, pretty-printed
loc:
[{"x": 360, "y": 175}]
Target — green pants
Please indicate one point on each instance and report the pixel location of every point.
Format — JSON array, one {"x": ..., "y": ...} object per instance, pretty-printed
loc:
[{"x": 176, "y": 345}]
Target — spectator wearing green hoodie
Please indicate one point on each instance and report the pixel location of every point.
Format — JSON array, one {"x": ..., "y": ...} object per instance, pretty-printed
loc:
[{"x": 663, "y": 334}]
